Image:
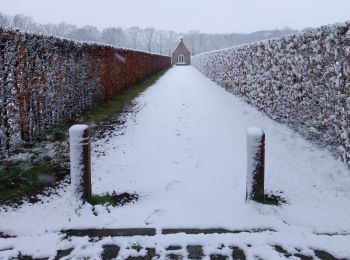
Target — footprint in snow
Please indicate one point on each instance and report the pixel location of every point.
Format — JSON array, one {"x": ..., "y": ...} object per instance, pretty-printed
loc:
[
  {"x": 171, "y": 185},
  {"x": 189, "y": 139},
  {"x": 155, "y": 216},
  {"x": 187, "y": 150}
]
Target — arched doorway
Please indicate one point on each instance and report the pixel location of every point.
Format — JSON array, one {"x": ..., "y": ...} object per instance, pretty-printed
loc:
[{"x": 181, "y": 59}]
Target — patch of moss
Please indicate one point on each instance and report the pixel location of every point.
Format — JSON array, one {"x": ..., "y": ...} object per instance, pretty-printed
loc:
[
  {"x": 58, "y": 134},
  {"x": 113, "y": 199},
  {"x": 16, "y": 182},
  {"x": 18, "y": 179},
  {"x": 53, "y": 134},
  {"x": 274, "y": 199},
  {"x": 119, "y": 102}
]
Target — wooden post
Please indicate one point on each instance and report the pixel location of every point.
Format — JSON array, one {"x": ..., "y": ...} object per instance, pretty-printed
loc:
[
  {"x": 80, "y": 161},
  {"x": 255, "y": 164}
]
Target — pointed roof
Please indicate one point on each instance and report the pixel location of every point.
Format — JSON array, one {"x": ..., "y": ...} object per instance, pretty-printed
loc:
[{"x": 182, "y": 46}]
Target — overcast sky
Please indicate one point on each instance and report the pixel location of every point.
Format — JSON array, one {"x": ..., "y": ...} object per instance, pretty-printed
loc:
[{"x": 212, "y": 16}]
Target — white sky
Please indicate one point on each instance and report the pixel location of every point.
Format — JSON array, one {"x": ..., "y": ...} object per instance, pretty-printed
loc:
[{"x": 213, "y": 16}]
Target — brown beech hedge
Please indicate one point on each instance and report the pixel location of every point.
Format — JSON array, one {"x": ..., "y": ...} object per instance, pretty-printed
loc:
[{"x": 48, "y": 81}]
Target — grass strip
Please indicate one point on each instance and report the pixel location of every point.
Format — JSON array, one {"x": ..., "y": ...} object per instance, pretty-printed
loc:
[
  {"x": 15, "y": 182},
  {"x": 119, "y": 102}
]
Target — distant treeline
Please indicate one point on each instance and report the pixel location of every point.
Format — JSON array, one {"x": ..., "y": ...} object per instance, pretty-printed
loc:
[{"x": 148, "y": 39}]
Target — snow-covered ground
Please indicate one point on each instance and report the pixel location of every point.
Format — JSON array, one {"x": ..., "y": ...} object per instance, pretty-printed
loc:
[{"x": 184, "y": 153}]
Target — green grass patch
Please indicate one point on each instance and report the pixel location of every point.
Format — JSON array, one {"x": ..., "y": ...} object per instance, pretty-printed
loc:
[
  {"x": 103, "y": 200},
  {"x": 58, "y": 134},
  {"x": 21, "y": 178},
  {"x": 54, "y": 134},
  {"x": 16, "y": 182},
  {"x": 113, "y": 199},
  {"x": 119, "y": 102},
  {"x": 274, "y": 199}
]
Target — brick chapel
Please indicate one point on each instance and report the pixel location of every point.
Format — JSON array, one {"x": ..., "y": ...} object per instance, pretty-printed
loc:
[{"x": 181, "y": 55}]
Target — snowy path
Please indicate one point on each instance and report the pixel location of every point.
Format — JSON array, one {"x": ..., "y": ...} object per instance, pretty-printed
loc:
[{"x": 185, "y": 154}]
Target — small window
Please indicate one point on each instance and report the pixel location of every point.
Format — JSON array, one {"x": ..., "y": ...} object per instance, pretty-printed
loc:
[{"x": 181, "y": 59}]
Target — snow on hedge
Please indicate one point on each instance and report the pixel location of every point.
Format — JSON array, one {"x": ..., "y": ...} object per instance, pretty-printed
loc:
[
  {"x": 47, "y": 81},
  {"x": 302, "y": 80}
]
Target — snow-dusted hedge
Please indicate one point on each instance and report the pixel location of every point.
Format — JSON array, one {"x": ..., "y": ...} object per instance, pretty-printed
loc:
[
  {"x": 47, "y": 81},
  {"x": 302, "y": 80}
]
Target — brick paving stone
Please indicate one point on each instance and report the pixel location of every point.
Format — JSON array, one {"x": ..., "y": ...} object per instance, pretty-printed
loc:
[
  {"x": 137, "y": 247},
  {"x": 303, "y": 257},
  {"x": 151, "y": 253},
  {"x": 173, "y": 256},
  {"x": 28, "y": 257},
  {"x": 218, "y": 257},
  {"x": 110, "y": 232},
  {"x": 24, "y": 257},
  {"x": 237, "y": 253},
  {"x": 281, "y": 250},
  {"x": 63, "y": 253},
  {"x": 323, "y": 255},
  {"x": 173, "y": 247},
  {"x": 194, "y": 252},
  {"x": 138, "y": 258},
  {"x": 110, "y": 252}
]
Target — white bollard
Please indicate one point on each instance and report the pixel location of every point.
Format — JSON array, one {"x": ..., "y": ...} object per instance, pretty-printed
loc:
[
  {"x": 80, "y": 161},
  {"x": 255, "y": 164}
]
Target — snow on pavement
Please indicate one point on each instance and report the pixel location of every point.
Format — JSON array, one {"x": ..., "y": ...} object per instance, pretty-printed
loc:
[{"x": 184, "y": 153}]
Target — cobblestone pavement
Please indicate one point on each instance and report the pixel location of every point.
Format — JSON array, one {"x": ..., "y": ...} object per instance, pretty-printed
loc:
[
  {"x": 143, "y": 244},
  {"x": 176, "y": 252}
]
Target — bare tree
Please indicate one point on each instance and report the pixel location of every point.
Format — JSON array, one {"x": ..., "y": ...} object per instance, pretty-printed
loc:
[
  {"x": 23, "y": 22},
  {"x": 133, "y": 35},
  {"x": 87, "y": 33},
  {"x": 5, "y": 20},
  {"x": 160, "y": 37},
  {"x": 171, "y": 41},
  {"x": 64, "y": 30},
  {"x": 192, "y": 39},
  {"x": 148, "y": 36},
  {"x": 113, "y": 36}
]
